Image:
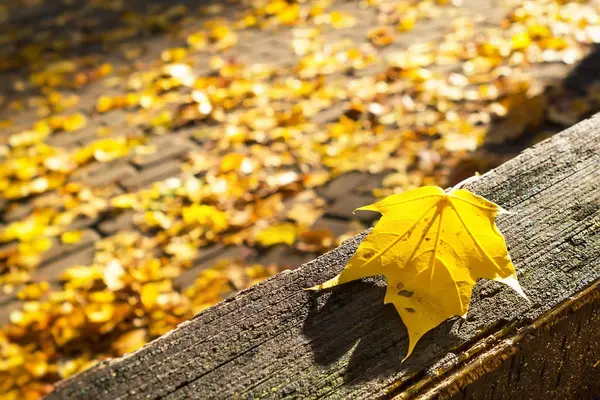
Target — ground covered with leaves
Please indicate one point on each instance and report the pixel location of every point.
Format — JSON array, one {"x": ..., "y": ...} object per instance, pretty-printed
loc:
[{"x": 156, "y": 158}]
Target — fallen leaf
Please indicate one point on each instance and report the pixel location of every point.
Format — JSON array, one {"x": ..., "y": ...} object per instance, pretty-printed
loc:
[
  {"x": 33, "y": 291},
  {"x": 275, "y": 234},
  {"x": 319, "y": 240},
  {"x": 432, "y": 247},
  {"x": 198, "y": 40},
  {"x": 130, "y": 341},
  {"x": 204, "y": 215},
  {"x": 407, "y": 21},
  {"x": 71, "y": 237},
  {"x": 381, "y": 36},
  {"x": 113, "y": 274},
  {"x": 74, "y": 122}
]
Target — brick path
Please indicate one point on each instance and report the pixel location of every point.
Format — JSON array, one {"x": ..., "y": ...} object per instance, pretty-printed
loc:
[{"x": 131, "y": 173}]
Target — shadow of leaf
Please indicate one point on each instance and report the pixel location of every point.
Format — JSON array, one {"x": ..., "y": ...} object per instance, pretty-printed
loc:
[{"x": 355, "y": 335}]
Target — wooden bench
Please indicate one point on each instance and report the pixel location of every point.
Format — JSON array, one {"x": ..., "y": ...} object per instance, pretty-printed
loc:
[{"x": 276, "y": 340}]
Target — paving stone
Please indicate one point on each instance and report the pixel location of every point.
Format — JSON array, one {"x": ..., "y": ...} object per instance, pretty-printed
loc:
[
  {"x": 64, "y": 256},
  {"x": 72, "y": 139},
  {"x": 167, "y": 148},
  {"x": 336, "y": 226},
  {"x": 8, "y": 248},
  {"x": 114, "y": 118},
  {"x": 344, "y": 207},
  {"x": 330, "y": 114},
  {"x": 152, "y": 174},
  {"x": 59, "y": 249},
  {"x": 82, "y": 222},
  {"x": 372, "y": 182},
  {"x": 115, "y": 223},
  {"x": 207, "y": 257},
  {"x": 285, "y": 256},
  {"x": 20, "y": 209},
  {"x": 99, "y": 174},
  {"x": 17, "y": 211},
  {"x": 343, "y": 185},
  {"x": 271, "y": 49},
  {"x": 51, "y": 272}
]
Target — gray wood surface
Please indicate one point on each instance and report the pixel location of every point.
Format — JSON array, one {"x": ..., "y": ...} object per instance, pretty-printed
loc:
[
  {"x": 276, "y": 340},
  {"x": 554, "y": 357}
]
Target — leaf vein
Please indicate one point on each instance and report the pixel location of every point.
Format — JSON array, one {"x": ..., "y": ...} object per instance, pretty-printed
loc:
[
  {"x": 393, "y": 243},
  {"x": 479, "y": 246}
]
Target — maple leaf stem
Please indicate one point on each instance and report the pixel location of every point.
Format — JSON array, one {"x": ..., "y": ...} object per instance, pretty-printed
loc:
[{"x": 464, "y": 182}]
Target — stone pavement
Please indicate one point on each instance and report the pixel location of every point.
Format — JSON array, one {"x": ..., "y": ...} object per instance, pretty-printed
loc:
[{"x": 134, "y": 172}]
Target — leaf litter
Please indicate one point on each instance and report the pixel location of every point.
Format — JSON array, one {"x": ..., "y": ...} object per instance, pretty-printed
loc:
[{"x": 410, "y": 113}]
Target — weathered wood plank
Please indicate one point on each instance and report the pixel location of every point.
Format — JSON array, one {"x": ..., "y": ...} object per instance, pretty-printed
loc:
[
  {"x": 276, "y": 340},
  {"x": 556, "y": 356}
]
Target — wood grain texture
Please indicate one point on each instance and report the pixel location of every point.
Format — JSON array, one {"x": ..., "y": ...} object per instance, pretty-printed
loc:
[
  {"x": 275, "y": 340},
  {"x": 555, "y": 356}
]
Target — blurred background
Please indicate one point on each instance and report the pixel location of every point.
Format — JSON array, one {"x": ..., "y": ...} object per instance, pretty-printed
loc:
[{"x": 156, "y": 157}]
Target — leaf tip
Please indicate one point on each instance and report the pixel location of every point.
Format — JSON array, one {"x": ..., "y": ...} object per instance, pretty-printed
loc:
[
  {"x": 411, "y": 347},
  {"x": 364, "y": 208},
  {"x": 512, "y": 281},
  {"x": 464, "y": 182},
  {"x": 504, "y": 211}
]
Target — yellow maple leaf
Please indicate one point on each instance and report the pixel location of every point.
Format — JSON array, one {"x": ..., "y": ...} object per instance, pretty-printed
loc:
[
  {"x": 205, "y": 215},
  {"x": 431, "y": 246}
]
